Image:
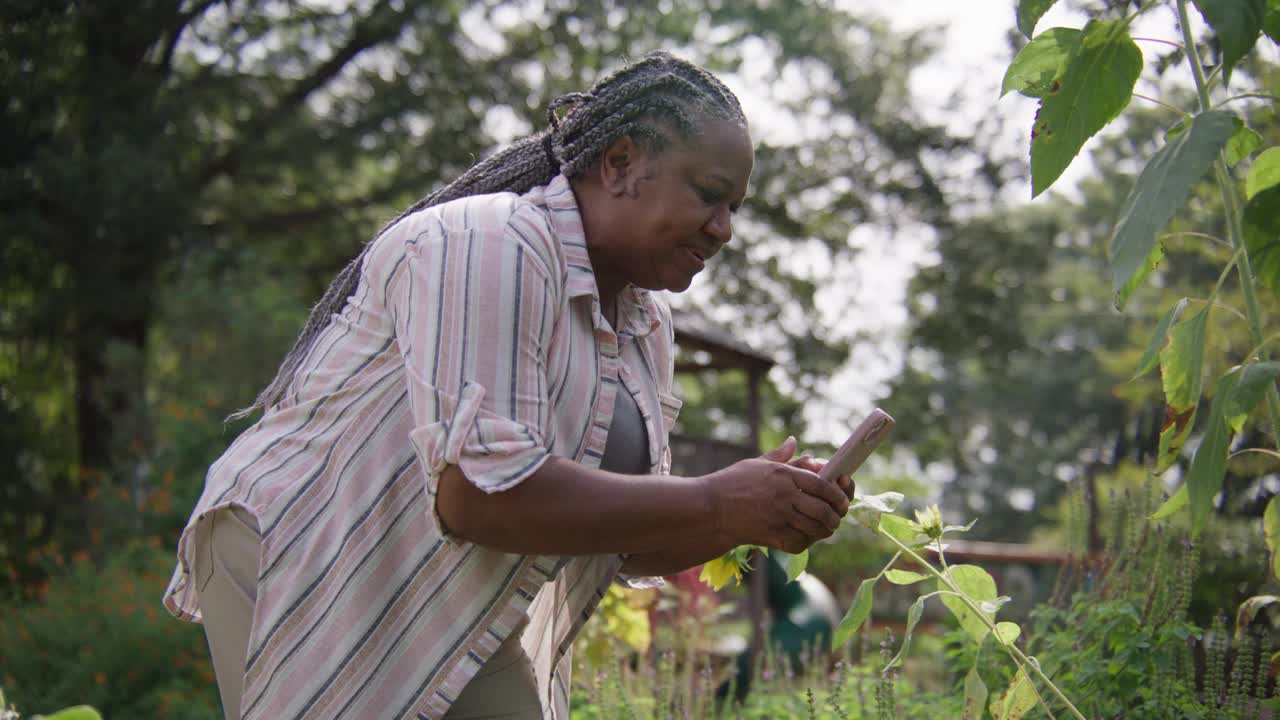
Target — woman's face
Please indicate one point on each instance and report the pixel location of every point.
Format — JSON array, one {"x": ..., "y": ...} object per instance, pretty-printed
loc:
[{"x": 671, "y": 211}]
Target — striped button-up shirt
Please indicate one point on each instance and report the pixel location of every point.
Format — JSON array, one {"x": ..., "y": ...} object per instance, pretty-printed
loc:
[{"x": 475, "y": 338}]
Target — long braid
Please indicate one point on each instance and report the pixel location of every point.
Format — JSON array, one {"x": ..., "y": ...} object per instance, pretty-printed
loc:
[{"x": 642, "y": 99}]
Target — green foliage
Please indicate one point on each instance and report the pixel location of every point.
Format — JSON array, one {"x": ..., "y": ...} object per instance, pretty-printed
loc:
[
  {"x": 1262, "y": 236},
  {"x": 98, "y": 635},
  {"x": 1096, "y": 85},
  {"x": 1236, "y": 24},
  {"x": 1161, "y": 189},
  {"x": 1030, "y": 12},
  {"x": 1041, "y": 62}
]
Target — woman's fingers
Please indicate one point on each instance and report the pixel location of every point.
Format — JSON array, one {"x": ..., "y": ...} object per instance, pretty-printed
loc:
[
  {"x": 829, "y": 493},
  {"x": 819, "y": 513},
  {"x": 846, "y": 485}
]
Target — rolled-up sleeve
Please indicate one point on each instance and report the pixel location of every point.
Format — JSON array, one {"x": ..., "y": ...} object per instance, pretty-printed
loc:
[{"x": 473, "y": 311}]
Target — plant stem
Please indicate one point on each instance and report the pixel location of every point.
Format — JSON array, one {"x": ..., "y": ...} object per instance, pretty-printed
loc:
[
  {"x": 1248, "y": 285},
  {"x": 1019, "y": 658}
]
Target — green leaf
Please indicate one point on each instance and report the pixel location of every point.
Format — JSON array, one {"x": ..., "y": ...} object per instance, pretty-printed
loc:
[
  {"x": 913, "y": 617},
  {"x": 1249, "y": 608},
  {"x": 1244, "y": 141},
  {"x": 1030, "y": 12},
  {"x": 980, "y": 587},
  {"x": 1271, "y": 528},
  {"x": 1096, "y": 85},
  {"x": 1163, "y": 188},
  {"x": 1262, "y": 236},
  {"x": 1264, "y": 173},
  {"x": 858, "y": 612},
  {"x": 1007, "y": 632},
  {"x": 975, "y": 695},
  {"x": 1254, "y": 381},
  {"x": 1172, "y": 505},
  {"x": 1019, "y": 698},
  {"x": 1236, "y": 23},
  {"x": 1041, "y": 62},
  {"x": 1178, "y": 127},
  {"x": 795, "y": 564},
  {"x": 1271, "y": 23},
  {"x": 906, "y": 531},
  {"x": 1139, "y": 276},
  {"x": 867, "y": 509},
  {"x": 1204, "y": 478},
  {"x": 79, "y": 712},
  {"x": 1181, "y": 364},
  {"x": 904, "y": 577},
  {"x": 959, "y": 528},
  {"x": 1152, "y": 355}
]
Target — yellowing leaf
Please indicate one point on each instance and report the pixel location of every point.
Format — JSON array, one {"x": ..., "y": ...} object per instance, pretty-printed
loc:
[
  {"x": 975, "y": 695},
  {"x": 1016, "y": 701},
  {"x": 717, "y": 573},
  {"x": 980, "y": 587},
  {"x": 1007, "y": 632}
]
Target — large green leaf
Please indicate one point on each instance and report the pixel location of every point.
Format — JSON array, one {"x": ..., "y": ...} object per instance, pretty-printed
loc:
[
  {"x": 980, "y": 587},
  {"x": 1264, "y": 173},
  {"x": 975, "y": 696},
  {"x": 1271, "y": 529},
  {"x": 1041, "y": 62},
  {"x": 1244, "y": 141},
  {"x": 1139, "y": 276},
  {"x": 1271, "y": 24},
  {"x": 1181, "y": 366},
  {"x": 857, "y": 614},
  {"x": 1152, "y": 354},
  {"x": 1254, "y": 381},
  {"x": 1204, "y": 478},
  {"x": 1163, "y": 188},
  {"x": 1096, "y": 85},
  {"x": 1236, "y": 23},
  {"x": 1030, "y": 12},
  {"x": 1262, "y": 236}
]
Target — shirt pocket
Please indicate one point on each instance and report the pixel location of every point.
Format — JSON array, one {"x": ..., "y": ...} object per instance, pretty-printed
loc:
[{"x": 670, "y": 406}]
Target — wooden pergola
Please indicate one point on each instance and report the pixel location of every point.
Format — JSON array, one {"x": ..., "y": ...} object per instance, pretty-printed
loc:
[{"x": 704, "y": 346}]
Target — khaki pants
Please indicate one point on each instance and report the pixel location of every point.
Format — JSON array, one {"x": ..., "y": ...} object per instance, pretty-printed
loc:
[{"x": 226, "y": 571}]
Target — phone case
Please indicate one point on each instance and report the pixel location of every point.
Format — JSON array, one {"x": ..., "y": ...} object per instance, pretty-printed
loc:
[{"x": 861, "y": 443}]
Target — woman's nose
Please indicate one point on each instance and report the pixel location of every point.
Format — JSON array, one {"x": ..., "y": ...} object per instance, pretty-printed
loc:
[{"x": 720, "y": 225}]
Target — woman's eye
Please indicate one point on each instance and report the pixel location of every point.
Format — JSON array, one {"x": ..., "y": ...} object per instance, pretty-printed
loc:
[{"x": 709, "y": 196}]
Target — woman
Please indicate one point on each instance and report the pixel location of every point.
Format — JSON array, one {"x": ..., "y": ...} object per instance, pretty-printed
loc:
[{"x": 468, "y": 442}]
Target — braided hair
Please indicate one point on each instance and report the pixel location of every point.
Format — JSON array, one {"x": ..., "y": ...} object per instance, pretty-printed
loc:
[{"x": 642, "y": 99}]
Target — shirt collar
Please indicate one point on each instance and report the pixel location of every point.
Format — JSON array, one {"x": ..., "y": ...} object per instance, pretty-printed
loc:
[{"x": 637, "y": 310}]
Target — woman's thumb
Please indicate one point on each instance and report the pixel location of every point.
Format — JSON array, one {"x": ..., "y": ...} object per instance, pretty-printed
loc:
[{"x": 783, "y": 452}]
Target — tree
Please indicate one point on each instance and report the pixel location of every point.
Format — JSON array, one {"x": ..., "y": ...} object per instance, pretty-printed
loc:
[
  {"x": 1023, "y": 371},
  {"x": 262, "y": 141}
]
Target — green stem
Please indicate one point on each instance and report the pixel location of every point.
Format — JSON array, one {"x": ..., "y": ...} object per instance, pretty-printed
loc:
[
  {"x": 1019, "y": 658},
  {"x": 1230, "y": 204}
]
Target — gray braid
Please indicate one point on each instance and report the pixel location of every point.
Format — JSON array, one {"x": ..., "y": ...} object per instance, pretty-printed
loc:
[{"x": 643, "y": 99}]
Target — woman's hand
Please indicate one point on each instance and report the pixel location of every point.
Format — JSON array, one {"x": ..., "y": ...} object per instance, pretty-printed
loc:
[
  {"x": 766, "y": 501},
  {"x": 813, "y": 465}
]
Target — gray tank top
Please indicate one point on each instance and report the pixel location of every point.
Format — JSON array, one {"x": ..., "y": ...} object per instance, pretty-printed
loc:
[{"x": 627, "y": 448}]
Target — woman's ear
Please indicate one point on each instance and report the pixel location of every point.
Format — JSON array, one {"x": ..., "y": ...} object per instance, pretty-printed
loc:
[{"x": 619, "y": 166}]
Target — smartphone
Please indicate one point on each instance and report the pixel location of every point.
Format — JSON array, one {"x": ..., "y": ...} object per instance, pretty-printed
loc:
[{"x": 861, "y": 443}]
